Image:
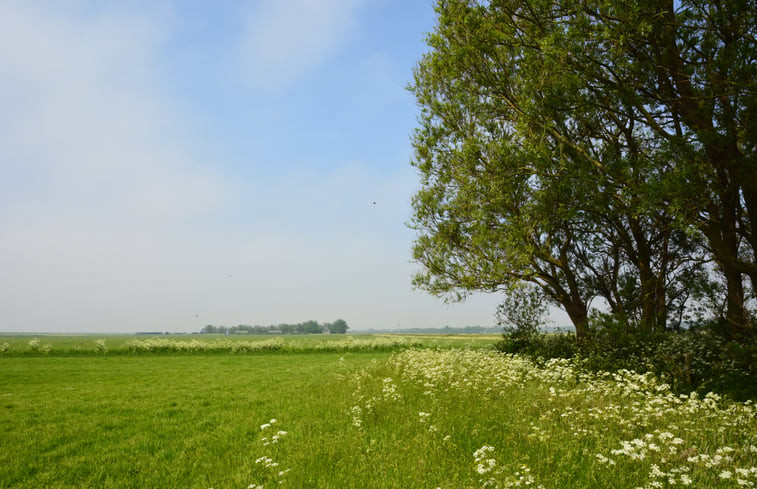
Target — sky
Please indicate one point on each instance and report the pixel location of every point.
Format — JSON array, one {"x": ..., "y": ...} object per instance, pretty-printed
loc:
[{"x": 169, "y": 164}]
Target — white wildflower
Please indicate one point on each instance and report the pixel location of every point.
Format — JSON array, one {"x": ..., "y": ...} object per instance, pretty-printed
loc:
[
  {"x": 486, "y": 465},
  {"x": 604, "y": 460},
  {"x": 656, "y": 472}
]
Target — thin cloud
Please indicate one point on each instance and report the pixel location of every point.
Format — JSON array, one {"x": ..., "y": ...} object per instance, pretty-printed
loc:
[
  {"x": 86, "y": 121},
  {"x": 283, "y": 41},
  {"x": 97, "y": 188}
]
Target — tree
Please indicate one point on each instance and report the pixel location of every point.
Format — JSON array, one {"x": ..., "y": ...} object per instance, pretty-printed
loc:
[
  {"x": 339, "y": 326},
  {"x": 208, "y": 329},
  {"x": 553, "y": 148},
  {"x": 523, "y": 311},
  {"x": 311, "y": 327},
  {"x": 684, "y": 74}
]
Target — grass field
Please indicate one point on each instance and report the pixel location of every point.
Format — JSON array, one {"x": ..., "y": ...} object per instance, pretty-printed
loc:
[{"x": 446, "y": 416}]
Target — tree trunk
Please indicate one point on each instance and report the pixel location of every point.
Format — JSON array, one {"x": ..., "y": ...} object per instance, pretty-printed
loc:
[
  {"x": 724, "y": 243},
  {"x": 736, "y": 314},
  {"x": 648, "y": 280},
  {"x": 662, "y": 304},
  {"x": 661, "y": 286},
  {"x": 579, "y": 317}
]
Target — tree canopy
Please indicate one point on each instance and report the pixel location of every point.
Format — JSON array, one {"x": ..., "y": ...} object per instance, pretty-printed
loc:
[{"x": 599, "y": 149}]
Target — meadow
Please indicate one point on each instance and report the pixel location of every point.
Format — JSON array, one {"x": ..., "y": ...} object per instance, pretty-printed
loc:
[{"x": 424, "y": 412}]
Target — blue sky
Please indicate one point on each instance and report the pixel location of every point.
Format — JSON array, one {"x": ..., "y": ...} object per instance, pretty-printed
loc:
[{"x": 170, "y": 164}]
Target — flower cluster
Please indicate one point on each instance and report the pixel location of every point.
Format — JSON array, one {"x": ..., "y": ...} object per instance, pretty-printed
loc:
[
  {"x": 274, "y": 439},
  {"x": 390, "y": 390},
  {"x": 36, "y": 346},
  {"x": 270, "y": 468},
  {"x": 639, "y": 426},
  {"x": 100, "y": 346},
  {"x": 163, "y": 345},
  {"x": 495, "y": 477},
  {"x": 482, "y": 459}
]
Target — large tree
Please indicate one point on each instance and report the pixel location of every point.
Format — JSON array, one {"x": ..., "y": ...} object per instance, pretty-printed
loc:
[{"x": 601, "y": 148}]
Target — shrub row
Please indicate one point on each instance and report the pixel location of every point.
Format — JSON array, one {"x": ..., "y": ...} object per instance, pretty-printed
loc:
[{"x": 702, "y": 359}]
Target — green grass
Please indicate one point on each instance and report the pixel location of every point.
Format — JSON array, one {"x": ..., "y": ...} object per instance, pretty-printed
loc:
[
  {"x": 165, "y": 421},
  {"x": 413, "y": 419}
]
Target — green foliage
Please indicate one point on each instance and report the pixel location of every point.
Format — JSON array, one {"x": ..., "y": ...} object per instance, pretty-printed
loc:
[
  {"x": 540, "y": 345},
  {"x": 307, "y": 327},
  {"x": 602, "y": 149},
  {"x": 700, "y": 359},
  {"x": 338, "y": 327},
  {"x": 522, "y": 314},
  {"x": 703, "y": 359}
]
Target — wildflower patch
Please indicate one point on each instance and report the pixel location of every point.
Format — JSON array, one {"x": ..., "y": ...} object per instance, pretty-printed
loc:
[{"x": 542, "y": 425}]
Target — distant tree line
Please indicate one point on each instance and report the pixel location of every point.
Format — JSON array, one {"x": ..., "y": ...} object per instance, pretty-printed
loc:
[{"x": 308, "y": 327}]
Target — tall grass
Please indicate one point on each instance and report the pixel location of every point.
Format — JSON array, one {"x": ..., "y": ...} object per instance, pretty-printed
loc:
[{"x": 509, "y": 422}]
